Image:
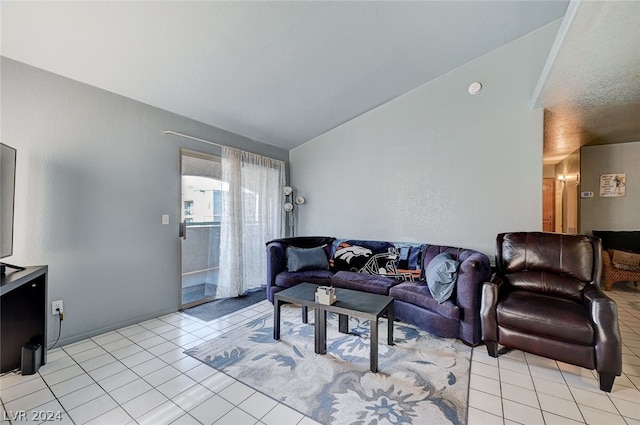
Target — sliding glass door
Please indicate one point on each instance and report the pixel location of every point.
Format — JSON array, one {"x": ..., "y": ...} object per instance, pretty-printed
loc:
[
  {"x": 231, "y": 206},
  {"x": 201, "y": 211}
]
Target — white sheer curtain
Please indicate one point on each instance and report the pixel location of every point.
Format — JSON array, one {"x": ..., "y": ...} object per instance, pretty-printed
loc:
[{"x": 252, "y": 214}]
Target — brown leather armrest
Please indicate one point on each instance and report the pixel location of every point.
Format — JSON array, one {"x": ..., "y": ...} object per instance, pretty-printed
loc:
[
  {"x": 488, "y": 321},
  {"x": 604, "y": 318}
]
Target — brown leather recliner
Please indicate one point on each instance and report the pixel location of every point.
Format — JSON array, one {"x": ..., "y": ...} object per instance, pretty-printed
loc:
[{"x": 545, "y": 299}]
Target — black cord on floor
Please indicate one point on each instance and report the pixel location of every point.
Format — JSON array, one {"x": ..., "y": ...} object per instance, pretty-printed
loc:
[{"x": 59, "y": 331}]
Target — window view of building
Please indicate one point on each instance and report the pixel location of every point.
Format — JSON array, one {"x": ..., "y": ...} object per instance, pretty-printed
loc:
[{"x": 202, "y": 200}]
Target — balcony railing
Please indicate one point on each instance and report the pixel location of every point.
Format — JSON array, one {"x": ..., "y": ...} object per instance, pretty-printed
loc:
[{"x": 200, "y": 257}]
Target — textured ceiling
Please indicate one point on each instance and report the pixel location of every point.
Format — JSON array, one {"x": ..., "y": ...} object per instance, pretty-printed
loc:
[
  {"x": 592, "y": 93},
  {"x": 277, "y": 72}
]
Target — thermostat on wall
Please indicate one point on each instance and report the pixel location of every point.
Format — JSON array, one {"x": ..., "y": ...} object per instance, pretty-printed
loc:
[{"x": 586, "y": 194}]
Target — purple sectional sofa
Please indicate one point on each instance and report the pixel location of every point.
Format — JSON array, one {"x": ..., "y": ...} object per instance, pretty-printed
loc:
[{"x": 449, "y": 308}]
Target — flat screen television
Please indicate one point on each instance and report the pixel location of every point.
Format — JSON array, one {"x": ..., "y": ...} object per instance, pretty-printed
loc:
[{"x": 7, "y": 197}]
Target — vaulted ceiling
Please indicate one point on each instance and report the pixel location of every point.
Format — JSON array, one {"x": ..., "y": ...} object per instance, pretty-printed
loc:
[
  {"x": 277, "y": 72},
  {"x": 592, "y": 92},
  {"x": 283, "y": 73}
]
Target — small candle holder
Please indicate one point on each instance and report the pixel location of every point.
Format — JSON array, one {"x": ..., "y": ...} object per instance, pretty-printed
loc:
[{"x": 326, "y": 295}]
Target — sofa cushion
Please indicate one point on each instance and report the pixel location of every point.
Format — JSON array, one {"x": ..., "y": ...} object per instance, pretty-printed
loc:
[
  {"x": 538, "y": 314},
  {"x": 289, "y": 279},
  {"x": 623, "y": 258},
  {"x": 553, "y": 284},
  {"x": 418, "y": 293},
  {"x": 374, "y": 284},
  {"x": 300, "y": 259},
  {"x": 441, "y": 274}
]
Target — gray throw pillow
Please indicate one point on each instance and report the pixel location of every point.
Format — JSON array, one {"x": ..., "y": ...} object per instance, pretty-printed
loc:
[
  {"x": 300, "y": 259},
  {"x": 441, "y": 274}
]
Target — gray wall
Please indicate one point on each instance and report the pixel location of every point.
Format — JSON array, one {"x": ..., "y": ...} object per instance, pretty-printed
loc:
[
  {"x": 616, "y": 213},
  {"x": 437, "y": 164},
  {"x": 95, "y": 173}
]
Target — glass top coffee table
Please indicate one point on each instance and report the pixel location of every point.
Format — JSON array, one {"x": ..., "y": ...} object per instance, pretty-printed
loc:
[{"x": 350, "y": 303}]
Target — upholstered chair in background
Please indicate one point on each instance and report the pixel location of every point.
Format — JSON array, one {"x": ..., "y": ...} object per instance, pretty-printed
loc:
[
  {"x": 613, "y": 273},
  {"x": 545, "y": 299}
]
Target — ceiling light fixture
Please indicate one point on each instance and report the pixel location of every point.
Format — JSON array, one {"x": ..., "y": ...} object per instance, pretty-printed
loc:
[{"x": 475, "y": 87}]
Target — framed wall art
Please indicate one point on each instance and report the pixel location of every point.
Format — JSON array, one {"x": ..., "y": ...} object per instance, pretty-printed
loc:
[{"x": 612, "y": 185}]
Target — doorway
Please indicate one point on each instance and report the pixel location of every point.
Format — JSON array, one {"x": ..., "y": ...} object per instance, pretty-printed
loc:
[
  {"x": 548, "y": 205},
  {"x": 201, "y": 211}
]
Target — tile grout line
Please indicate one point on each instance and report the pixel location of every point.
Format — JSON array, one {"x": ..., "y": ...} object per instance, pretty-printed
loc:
[
  {"x": 177, "y": 320},
  {"x": 116, "y": 360}
]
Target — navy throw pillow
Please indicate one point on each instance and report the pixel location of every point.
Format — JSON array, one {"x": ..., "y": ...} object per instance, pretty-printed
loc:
[{"x": 300, "y": 259}]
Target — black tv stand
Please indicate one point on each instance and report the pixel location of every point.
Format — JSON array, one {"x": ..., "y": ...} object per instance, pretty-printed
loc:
[
  {"x": 23, "y": 315},
  {"x": 3, "y": 268}
]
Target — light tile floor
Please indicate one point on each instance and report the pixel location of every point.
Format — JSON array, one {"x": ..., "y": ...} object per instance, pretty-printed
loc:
[
  {"x": 520, "y": 388},
  {"x": 140, "y": 374}
]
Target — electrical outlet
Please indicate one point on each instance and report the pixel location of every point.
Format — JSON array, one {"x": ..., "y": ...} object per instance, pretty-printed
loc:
[{"x": 56, "y": 307}]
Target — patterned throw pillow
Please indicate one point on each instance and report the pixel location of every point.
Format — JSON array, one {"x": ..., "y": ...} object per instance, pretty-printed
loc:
[{"x": 625, "y": 267}]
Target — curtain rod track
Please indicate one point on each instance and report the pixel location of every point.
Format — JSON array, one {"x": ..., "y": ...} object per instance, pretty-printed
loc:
[{"x": 186, "y": 136}]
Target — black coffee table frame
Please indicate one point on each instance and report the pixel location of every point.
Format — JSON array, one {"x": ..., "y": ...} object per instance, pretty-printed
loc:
[{"x": 350, "y": 303}]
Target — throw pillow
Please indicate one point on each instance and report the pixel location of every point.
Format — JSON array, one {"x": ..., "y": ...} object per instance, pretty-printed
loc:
[
  {"x": 441, "y": 274},
  {"x": 300, "y": 259}
]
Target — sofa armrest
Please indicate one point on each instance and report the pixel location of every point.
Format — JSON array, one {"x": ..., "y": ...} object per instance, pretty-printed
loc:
[
  {"x": 474, "y": 270},
  {"x": 276, "y": 262},
  {"x": 604, "y": 318}
]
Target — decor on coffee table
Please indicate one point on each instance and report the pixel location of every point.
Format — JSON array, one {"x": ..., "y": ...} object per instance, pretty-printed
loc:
[{"x": 422, "y": 378}]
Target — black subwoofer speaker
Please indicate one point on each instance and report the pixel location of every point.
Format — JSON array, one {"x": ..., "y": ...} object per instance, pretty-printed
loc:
[{"x": 31, "y": 358}]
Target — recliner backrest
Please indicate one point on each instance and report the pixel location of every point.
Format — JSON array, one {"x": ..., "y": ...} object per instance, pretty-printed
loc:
[{"x": 550, "y": 263}]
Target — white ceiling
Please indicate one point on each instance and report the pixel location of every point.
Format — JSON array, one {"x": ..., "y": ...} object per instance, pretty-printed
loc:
[
  {"x": 592, "y": 93},
  {"x": 277, "y": 72}
]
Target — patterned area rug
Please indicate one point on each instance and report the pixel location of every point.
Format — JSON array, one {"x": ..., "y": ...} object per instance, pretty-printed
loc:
[{"x": 422, "y": 379}]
